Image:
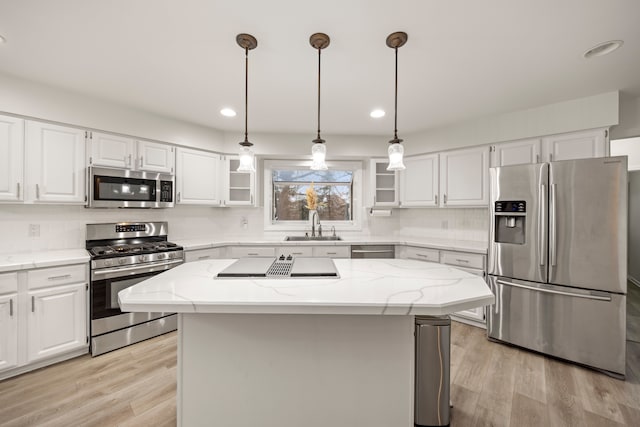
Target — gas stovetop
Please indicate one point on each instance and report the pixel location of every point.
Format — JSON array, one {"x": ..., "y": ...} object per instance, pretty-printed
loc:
[{"x": 124, "y": 249}]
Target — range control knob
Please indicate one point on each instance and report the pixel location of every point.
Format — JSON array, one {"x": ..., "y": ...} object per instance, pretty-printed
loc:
[
  {"x": 108, "y": 263},
  {"x": 122, "y": 261},
  {"x": 142, "y": 257},
  {"x": 161, "y": 256}
]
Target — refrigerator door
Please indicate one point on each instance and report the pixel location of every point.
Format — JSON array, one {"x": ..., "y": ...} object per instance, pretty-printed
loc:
[
  {"x": 518, "y": 242},
  {"x": 588, "y": 224},
  {"x": 582, "y": 326}
]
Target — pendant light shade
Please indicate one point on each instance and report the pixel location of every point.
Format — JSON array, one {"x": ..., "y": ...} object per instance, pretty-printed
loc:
[
  {"x": 396, "y": 151},
  {"x": 319, "y": 151},
  {"x": 247, "y": 158}
]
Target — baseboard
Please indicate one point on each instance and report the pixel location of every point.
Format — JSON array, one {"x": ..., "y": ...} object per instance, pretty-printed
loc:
[{"x": 634, "y": 281}]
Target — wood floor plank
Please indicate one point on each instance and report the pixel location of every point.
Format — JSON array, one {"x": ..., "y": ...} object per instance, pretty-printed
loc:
[
  {"x": 529, "y": 378},
  {"x": 528, "y": 412},
  {"x": 565, "y": 409}
]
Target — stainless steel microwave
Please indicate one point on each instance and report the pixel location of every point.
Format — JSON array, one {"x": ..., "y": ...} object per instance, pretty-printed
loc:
[{"x": 123, "y": 188}]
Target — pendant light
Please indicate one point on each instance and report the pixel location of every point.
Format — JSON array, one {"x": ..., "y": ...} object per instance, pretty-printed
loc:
[
  {"x": 319, "y": 150},
  {"x": 396, "y": 151},
  {"x": 247, "y": 42}
]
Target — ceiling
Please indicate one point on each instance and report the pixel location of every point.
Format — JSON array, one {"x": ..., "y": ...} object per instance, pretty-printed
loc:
[{"x": 464, "y": 59}]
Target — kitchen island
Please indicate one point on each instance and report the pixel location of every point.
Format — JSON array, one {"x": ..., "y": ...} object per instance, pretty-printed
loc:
[{"x": 302, "y": 351}]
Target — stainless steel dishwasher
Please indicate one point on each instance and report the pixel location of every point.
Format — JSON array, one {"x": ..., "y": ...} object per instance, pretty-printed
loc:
[
  {"x": 373, "y": 251},
  {"x": 432, "y": 386}
]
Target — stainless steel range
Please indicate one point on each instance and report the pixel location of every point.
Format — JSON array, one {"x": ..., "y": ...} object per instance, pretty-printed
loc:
[{"x": 123, "y": 254}]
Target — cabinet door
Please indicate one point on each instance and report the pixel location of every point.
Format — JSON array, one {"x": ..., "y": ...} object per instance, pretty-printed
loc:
[
  {"x": 11, "y": 158},
  {"x": 525, "y": 151},
  {"x": 419, "y": 181},
  {"x": 111, "y": 150},
  {"x": 55, "y": 160},
  {"x": 57, "y": 320},
  {"x": 197, "y": 178},
  {"x": 239, "y": 187},
  {"x": 203, "y": 254},
  {"x": 473, "y": 313},
  {"x": 156, "y": 157},
  {"x": 418, "y": 253},
  {"x": 8, "y": 331},
  {"x": 383, "y": 183},
  {"x": 575, "y": 145},
  {"x": 464, "y": 176}
]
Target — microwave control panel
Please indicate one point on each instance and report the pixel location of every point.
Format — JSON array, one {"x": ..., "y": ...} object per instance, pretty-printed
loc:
[{"x": 166, "y": 191}]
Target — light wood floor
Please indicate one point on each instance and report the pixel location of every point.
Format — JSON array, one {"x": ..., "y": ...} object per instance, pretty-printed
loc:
[{"x": 492, "y": 385}]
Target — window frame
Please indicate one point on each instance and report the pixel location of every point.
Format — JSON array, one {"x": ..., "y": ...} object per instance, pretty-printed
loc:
[{"x": 354, "y": 224}]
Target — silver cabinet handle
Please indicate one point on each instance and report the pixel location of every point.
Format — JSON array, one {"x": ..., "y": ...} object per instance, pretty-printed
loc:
[
  {"x": 371, "y": 251},
  {"x": 18, "y": 189},
  {"x": 332, "y": 253},
  {"x": 129, "y": 161},
  {"x": 436, "y": 200},
  {"x": 252, "y": 254},
  {"x": 537, "y": 158},
  {"x": 251, "y": 198},
  {"x": 466, "y": 261},
  {"x": 586, "y": 295},
  {"x": 445, "y": 199},
  {"x": 204, "y": 257},
  {"x": 179, "y": 193},
  {"x": 65, "y": 276},
  {"x": 296, "y": 253},
  {"x": 11, "y": 307},
  {"x": 33, "y": 304},
  {"x": 141, "y": 161},
  {"x": 542, "y": 198},
  {"x": 38, "y": 191}
]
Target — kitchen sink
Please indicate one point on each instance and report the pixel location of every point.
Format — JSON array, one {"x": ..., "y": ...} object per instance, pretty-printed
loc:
[{"x": 310, "y": 238}]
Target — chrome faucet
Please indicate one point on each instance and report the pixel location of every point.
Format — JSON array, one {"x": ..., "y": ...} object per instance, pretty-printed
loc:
[
  {"x": 315, "y": 217},
  {"x": 333, "y": 229}
]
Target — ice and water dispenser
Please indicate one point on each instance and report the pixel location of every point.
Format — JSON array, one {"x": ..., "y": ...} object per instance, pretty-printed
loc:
[{"x": 510, "y": 221}]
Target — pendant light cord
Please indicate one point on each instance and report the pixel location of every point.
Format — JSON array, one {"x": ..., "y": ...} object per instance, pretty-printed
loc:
[
  {"x": 246, "y": 95},
  {"x": 319, "y": 52},
  {"x": 395, "y": 125}
]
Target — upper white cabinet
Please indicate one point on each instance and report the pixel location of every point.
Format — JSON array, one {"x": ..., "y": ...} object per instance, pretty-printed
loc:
[
  {"x": 155, "y": 157},
  {"x": 123, "y": 152},
  {"x": 521, "y": 152},
  {"x": 11, "y": 158},
  {"x": 383, "y": 183},
  {"x": 54, "y": 163},
  {"x": 198, "y": 175},
  {"x": 419, "y": 181},
  {"x": 575, "y": 145},
  {"x": 238, "y": 187},
  {"x": 464, "y": 177}
]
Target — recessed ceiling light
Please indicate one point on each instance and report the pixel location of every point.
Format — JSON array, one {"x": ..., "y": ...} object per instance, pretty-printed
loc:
[
  {"x": 376, "y": 114},
  {"x": 602, "y": 49},
  {"x": 228, "y": 112}
]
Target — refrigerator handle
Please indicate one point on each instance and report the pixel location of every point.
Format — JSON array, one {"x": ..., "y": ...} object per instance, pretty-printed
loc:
[
  {"x": 586, "y": 295},
  {"x": 542, "y": 196},
  {"x": 553, "y": 226}
]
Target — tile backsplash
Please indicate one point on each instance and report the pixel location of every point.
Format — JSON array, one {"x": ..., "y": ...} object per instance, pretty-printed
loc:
[{"x": 28, "y": 228}]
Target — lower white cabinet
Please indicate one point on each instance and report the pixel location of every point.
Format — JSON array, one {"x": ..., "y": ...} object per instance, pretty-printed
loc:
[
  {"x": 57, "y": 320},
  {"x": 417, "y": 253},
  {"x": 294, "y": 251},
  {"x": 248, "y": 251},
  {"x": 8, "y": 331},
  {"x": 43, "y": 317},
  {"x": 204, "y": 254},
  {"x": 332, "y": 251}
]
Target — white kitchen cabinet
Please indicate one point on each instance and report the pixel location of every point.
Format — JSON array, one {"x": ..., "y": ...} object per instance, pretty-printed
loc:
[
  {"x": 55, "y": 164},
  {"x": 127, "y": 153},
  {"x": 11, "y": 158},
  {"x": 155, "y": 157},
  {"x": 57, "y": 320},
  {"x": 521, "y": 152},
  {"x": 248, "y": 252},
  {"x": 204, "y": 254},
  {"x": 238, "y": 187},
  {"x": 294, "y": 251},
  {"x": 419, "y": 182},
  {"x": 198, "y": 177},
  {"x": 332, "y": 251},
  {"x": 471, "y": 263},
  {"x": 383, "y": 183},
  {"x": 576, "y": 145},
  {"x": 464, "y": 176},
  {"x": 417, "y": 253},
  {"x": 111, "y": 150},
  {"x": 8, "y": 321}
]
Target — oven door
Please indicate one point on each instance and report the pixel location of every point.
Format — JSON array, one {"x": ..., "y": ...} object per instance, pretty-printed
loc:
[{"x": 106, "y": 315}]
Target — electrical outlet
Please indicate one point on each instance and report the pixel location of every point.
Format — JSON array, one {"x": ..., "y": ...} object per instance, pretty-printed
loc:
[
  {"x": 34, "y": 230},
  {"x": 244, "y": 222}
]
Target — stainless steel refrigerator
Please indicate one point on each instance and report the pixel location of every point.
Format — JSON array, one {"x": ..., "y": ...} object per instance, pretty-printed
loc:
[{"x": 558, "y": 259}]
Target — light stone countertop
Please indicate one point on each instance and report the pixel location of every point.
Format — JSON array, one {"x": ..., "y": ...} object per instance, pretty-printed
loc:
[
  {"x": 365, "y": 287},
  {"x": 29, "y": 260}
]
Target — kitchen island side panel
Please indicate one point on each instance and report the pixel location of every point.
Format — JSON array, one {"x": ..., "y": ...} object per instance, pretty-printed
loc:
[{"x": 295, "y": 370}]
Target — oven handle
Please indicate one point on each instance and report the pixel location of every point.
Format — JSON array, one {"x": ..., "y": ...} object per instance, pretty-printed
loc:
[{"x": 109, "y": 273}]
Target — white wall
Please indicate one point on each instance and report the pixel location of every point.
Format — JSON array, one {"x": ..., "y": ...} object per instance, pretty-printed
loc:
[
  {"x": 578, "y": 114},
  {"x": 628, "y": 147},
  {"x": 634, "y": 226},
  {"x": 26, "y": 98}
]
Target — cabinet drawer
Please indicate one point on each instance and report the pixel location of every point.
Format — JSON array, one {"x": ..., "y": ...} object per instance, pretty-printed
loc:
[
  {"x": 245, "y": 251},
  {"x": 332, "y": 251},
  {"x": 420, "y": 254},
  {"x": 295, "y": 251},
  {"x": 462, "y": 259},
  {"x": 55, "y": 276},
  {"x": 8, "y": 283},
  {"x": 202, "y": 254}
]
